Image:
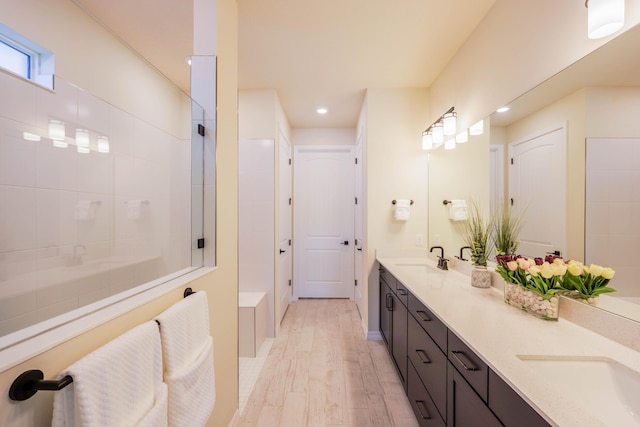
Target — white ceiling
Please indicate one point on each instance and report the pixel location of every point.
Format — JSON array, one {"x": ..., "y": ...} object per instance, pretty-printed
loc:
[{"x": 312, "y": 52}]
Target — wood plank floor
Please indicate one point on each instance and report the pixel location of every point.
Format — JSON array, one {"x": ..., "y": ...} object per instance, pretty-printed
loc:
[{"x": 321, "y": 371}]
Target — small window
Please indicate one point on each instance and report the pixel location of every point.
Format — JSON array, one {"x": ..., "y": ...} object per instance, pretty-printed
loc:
[{"x": 25, "y": 58}]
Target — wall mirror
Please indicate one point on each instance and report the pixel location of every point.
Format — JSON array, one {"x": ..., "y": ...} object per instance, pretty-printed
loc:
[{"x": 597, "y": 103}]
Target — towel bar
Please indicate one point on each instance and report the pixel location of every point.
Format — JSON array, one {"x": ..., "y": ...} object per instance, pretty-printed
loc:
[
  {"x": 393, "y": 202},
  {"x": 30, "y": 382},
  {"x": 188, "y": 292}
]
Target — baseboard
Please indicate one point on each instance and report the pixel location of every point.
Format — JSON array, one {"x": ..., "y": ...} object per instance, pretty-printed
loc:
[{"x": 374, "y": 336}]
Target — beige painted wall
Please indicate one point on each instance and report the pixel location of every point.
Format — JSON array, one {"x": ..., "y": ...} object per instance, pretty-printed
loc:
[
  {"x": 462, "y": 173},
  {"x": 33, "y": 18},
  {"x": 396, "y": 169}
]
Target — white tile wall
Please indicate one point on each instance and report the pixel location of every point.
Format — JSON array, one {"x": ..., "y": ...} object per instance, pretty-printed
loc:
[
  {"x": 41, "y": 185},
  {"x": 612, "y": 220}
]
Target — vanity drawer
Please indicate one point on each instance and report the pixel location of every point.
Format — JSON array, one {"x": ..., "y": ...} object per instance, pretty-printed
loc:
[
  {"x": 510, "y": 407},
  {"x": 470, "y": 366},
  {"x": 430, "y": 363},
  {"x": 422, "y": 405},
  {"x": 388, "y": 278},
  {"x": 434, "y": 326}
]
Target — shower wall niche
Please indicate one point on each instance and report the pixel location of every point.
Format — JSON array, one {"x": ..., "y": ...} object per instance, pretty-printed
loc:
[{"x": 93, "y": 200}]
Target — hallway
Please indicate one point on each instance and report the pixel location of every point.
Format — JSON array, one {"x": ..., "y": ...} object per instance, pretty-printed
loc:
[{"x": 321, "y": 371}]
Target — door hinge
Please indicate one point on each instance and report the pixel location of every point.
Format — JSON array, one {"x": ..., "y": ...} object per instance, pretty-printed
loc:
[
  {"x": 289, "y": 161},
  {"x": 511, "y": 200},
  {"x": 289, "y": 242},
  {"x": 356, "y": 160},
  {"x": 200, "y": 130},
  {"x": 356, "y": 200},
  {"x": 512, "y": 160},
  {"x": 356, "y": 282},
  {"x": 289, "y": 282},
  {"x": 289, "y": 201},
  {"x": 200, "y": 243}
]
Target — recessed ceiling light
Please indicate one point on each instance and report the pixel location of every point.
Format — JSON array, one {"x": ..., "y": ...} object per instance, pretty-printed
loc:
[
  {"x": 502, "y": 109},
  {"x": 322, "y": 111}
]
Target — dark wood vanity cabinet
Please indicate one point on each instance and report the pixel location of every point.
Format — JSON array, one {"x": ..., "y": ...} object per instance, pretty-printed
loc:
[{"x": 446, "y": 382}]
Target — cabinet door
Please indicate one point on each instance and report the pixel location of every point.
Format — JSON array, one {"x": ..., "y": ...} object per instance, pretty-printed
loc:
[
  {"x": 399, "y": 338},
  {"x": 512, "y": 410},
  {"x": 464, "y": 407},
  {"x": 386, "y": 304}
]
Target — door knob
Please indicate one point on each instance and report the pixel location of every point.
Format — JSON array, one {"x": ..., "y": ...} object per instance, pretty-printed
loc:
[
  {"x": 346, "y": 243},
  {"x": 281, "y": 251}
]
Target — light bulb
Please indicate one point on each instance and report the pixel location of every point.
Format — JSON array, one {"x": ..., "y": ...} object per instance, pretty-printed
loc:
[
  {"x": 82, "y": 138},
  {"x": 438, "y": 133},
  {"x": 427, "y": 141},
  {"x": 449, "y": 123}
]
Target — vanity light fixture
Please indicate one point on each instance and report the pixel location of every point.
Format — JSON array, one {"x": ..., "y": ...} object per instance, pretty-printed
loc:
[
  {"x": 605, "y": 17},
  {"x": 322, "y": 110},
  {"x": 434, "y": 135},
  {"x": 60, "y": 144},
  {"x": 82, "y": 138},
  {"x": 103, "y": 144},
  {"x": 477, "y": 128},
  {"x": 83, "y": 150},
  {"x": 450, "y": 144},
  {"x": 56, "y": 130},
  {"x": 462, "y": 137}
]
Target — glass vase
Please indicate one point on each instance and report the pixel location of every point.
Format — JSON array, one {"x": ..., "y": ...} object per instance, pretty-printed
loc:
[{"x": 531, "y": 302}]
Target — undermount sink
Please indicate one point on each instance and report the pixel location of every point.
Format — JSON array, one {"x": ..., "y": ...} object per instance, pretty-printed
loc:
[
  {"x": 604, "y": 388},
  {"x": 418, "y": 267}
]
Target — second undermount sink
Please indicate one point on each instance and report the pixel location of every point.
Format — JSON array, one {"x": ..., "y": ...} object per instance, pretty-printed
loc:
[{"x": 606, "y": 389}]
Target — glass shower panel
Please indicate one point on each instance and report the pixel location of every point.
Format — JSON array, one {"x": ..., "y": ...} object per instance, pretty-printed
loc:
[
  {"x": 197, "y": 185},
  {"x": 94, "y": 201}
]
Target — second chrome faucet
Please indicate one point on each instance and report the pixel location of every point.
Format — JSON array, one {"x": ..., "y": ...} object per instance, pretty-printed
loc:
[{"x": 442, "y": 261}]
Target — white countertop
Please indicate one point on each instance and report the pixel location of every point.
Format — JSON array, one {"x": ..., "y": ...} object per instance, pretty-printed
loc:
[{"x": 498, "y": 333}]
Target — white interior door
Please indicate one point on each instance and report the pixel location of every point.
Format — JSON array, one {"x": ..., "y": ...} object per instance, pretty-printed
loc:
[
  {"x": 284, "y": 227},
  {"x": 496, "y": 176},
  {"x": 324, "y": 213},
  {"x": 537, "y": 184}
]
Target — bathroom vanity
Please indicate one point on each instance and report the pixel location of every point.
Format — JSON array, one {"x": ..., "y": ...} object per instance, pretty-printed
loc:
[{"x": 466, "y": 358}]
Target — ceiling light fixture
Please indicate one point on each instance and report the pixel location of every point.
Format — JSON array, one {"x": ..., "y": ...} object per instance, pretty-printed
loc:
[
  {"x": 322, "y": 111},
  {"x": 605, "y": 17},
  {"x": 502, "y": 109}
]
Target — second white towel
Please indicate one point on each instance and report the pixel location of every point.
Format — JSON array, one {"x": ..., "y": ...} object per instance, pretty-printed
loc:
[
  {"x": 458, "y": 210},
  {"x": 187, "y": 348}
]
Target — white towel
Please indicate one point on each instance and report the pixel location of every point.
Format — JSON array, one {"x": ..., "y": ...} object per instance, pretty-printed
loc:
[
  {"x": 403, "y": 210},
  {"x": 188, "y": 358},
  {"x": 157, "y": 416},
  {"x": 458, "y": 210},
  {"x": 115, "y": 385}
]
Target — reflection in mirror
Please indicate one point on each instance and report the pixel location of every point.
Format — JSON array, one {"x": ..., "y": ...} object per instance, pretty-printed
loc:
[{"x": 594, "y": 99}]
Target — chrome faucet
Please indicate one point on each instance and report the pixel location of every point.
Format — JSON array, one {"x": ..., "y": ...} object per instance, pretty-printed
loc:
[
  {"x": 442, "y": 261},
  {"x": 76, "y": 258}
]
